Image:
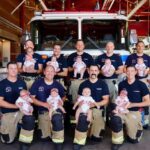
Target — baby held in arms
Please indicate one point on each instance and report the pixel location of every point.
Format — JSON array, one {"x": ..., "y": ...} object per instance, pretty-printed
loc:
[
  {"x": 55, "y": 102},
  {"x": 24, "y": 102},
  {"x": 29, "y": 61},
  {"x": 54, "y": 63},
  {"x": 122, "y": 103},
  {"x": 108, "y": 69},
  {"x": 84, "y": 102},
  {"x": 79, "y": 67},
  {"x": 141, "y": 68}
]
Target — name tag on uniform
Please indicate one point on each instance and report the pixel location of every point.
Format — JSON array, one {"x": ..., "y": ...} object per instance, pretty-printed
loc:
[
  {"x": 98, "y": 89},
  {"x": 136, "y": 91}
]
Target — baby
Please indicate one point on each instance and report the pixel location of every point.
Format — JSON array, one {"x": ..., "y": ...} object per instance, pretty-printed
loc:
[
  {"x": 141, "y": 67},
  {"x": 108, "y": 69},
  {"x": 24, "y": 102},
  {"x": 54, "y": 99},
  {"x": 79, "y": 67},
  {"x": 84, "y": 103},
  {"x": 54, "y": 63},
  {"x": 122, "y": 103},
  {"x": 29, "y": 61}
]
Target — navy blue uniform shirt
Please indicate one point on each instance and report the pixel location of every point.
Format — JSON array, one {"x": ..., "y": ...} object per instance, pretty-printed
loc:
[
  {"x": 136, "y": 91},
  {"x": 115, "y": 60},
  {"x": 132, "y": 60},
  {"x": 41, "y": 90},
  {"x": 98, "y": 89},
  {"x": 86, "y": 58},
  {"x": 10, "y": 92}
]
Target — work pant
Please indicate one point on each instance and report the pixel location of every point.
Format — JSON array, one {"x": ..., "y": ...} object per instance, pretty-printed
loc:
[
  {"x": 132, "y": 121},
  {"x": 53, "y": 128},
  {"x": 73, "y": 89},
  {"x": 9, "y": 128},
  {"x": 96, "y": 127}
]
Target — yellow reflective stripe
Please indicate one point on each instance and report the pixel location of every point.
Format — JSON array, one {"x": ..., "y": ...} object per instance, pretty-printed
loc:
[
  {"x": 73, "y": 121},
  {"x": 80, "y": 142},
  {"x": 58, "y": 140},
  {"x": 25, "y": 139},
  {"x": 118, "y": 140}
]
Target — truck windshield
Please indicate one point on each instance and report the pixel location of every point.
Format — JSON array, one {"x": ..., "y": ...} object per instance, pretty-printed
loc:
[{"x": 95, "y": 33}]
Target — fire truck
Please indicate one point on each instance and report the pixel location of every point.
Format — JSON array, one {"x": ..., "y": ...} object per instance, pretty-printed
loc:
[{"x": 95, "y": 28}]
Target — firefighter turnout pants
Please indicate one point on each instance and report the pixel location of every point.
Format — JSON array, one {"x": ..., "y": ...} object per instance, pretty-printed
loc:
[
  {"x": 134, "y": 129},
  {"x": 53, "y": 128},
  {"x": 9, "y": 127},
  {"x": 85, "y": 128}
]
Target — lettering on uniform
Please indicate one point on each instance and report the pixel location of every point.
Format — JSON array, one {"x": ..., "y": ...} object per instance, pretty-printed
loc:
[
  {"x": 145, "y": 61},
  {"x": 20, "y": 88},
  {"x": 113, "y": 60},
  {"x": 41, "y": 88},
  {"x": 35, "y": 59},
  {"x": 136, "y": 91},
  {"x": 98, "y": 89},
  {"x": 8, "y": 89},
  {"x": 85, "y": 58}
]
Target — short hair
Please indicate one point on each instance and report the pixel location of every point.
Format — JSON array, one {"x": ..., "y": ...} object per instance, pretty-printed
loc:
[
  {"x": 140, "y": 42},
  {"x": 11, "y": 63},
  {"x": 56, "y": 43},
  {"x": 28, "y": 41},
  {"x": 79, "y": 40},
  {"x": 47, "y": 66},
  {"x": 94, "y": 65},
  {"x": 132, "y": 66}
]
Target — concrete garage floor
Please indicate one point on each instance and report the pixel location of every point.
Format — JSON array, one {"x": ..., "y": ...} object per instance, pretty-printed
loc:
[{"x": 104, "y": 145}]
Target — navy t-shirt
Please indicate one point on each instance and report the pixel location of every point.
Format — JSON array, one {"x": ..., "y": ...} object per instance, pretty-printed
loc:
[
  {"x": 136, "y": 91},
  {"x": 86, "y": 58},
  {"x": 98, "y": 89},
  {"x": 10, "y": 92},
  {"x": 132, "y": 60},
  {"x": 36, "y": 57},
  {"x": 62, "y": 62},
  {"x": 115, "y": 60},
  {"x": 41, "y": 90}
]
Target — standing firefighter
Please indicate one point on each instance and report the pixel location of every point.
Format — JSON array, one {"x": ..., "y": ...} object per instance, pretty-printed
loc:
[
  {"x": 138, "y": 96},
  {"x": 40, "y": 91},
  {"x": 29, "y": 64},
  {"x": 9, "y": 93}
]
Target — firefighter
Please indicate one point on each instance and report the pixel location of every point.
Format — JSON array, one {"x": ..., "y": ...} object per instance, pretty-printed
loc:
[
  {"x": 11, "y": 116},
  {"x": 40, "y": 91},
  {"x": 75, "y": 81},
  {"x": 138, "y": 96},
  {"x": 110, "y": 79},
  {"x": 133, "y": 60},
  {"x": 29, "y": 64},
  {"x": 62, "y": 72},
  {"x": 100, "y": 93}
]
